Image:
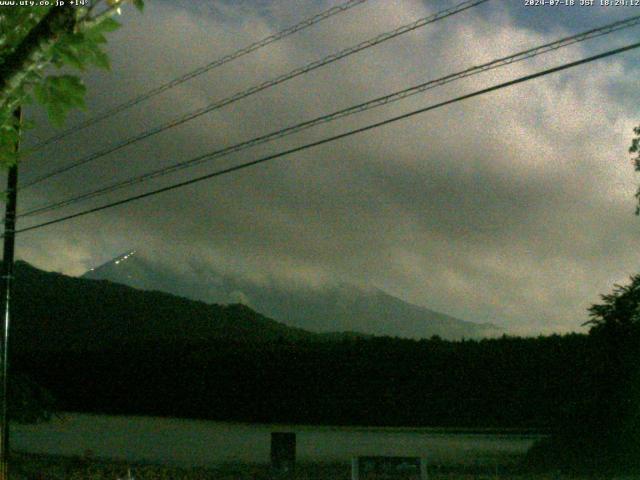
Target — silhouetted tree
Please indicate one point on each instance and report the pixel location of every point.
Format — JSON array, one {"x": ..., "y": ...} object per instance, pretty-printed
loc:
[
  {"x": 619, "y": 311},
  {"x": 602, "y": 432}
]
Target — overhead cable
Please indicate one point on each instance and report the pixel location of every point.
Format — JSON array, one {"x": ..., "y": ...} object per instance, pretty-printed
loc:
[
  {"x": 384, "y": 100},
  {"x": 306, "y": 23},
  {"x": 263, "y": 86},
  {"x": 332, "y": 138}
]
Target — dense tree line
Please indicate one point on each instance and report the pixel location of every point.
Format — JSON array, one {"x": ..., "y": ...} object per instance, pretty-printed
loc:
[{"x": 507, "y": 382}]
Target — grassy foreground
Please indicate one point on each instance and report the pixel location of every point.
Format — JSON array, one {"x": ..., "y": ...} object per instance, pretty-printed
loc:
[{"x": 47, "y": 467}]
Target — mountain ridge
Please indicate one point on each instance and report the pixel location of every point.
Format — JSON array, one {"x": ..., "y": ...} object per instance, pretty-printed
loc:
[
  {"x": 53, "y": 311},
  {"x": 329, "y": 308}
]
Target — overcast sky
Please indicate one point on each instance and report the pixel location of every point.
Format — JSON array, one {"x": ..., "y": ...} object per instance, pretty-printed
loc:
[{"x": 515, "y": 207}]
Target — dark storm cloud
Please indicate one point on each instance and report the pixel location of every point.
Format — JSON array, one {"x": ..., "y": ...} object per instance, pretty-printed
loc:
[{"x": 516, "y": 207}]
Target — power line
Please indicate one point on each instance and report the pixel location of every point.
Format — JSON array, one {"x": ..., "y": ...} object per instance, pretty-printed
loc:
[
  {"x": 334, "y": 137},
  {"x": 384, "y": 100},
  {"x": 263, "y": 86},
  {"x": 306, "y": 23}
]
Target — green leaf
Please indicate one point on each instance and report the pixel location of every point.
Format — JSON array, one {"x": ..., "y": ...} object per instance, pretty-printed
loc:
[
  {"x": 107, "y": 25},
  {"x": 56, "y": 114},
  {"x": 59, "y": 94},
  {"x": 101, "y": 60},
  {"x": 91, "y": 53},
  {"x": 8, "y": 158},
  {"x": 26, "y": 100},
  {"x": 95, "y": 37},
  {"x": 41, "y": 92},
  {"x": 10, "y": 136},
  {"x": 69, "y": 54},
  {"x": 68, "y": 89}
]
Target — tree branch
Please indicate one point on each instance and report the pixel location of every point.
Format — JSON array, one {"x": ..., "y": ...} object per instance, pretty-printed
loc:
[{"x": 27, "y": 57}]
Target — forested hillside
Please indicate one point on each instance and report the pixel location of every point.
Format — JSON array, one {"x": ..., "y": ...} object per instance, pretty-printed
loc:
[{"x": 61, "y": 313}]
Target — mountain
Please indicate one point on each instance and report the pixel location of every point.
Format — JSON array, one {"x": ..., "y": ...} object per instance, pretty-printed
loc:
[
  {"x": 336, "y": 308},
  {"x": 55, "y": 312},
  {"x": 371, "y": 311}
]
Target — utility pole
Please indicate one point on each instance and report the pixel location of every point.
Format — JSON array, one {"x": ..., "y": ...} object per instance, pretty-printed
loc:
[{"x": 7, "y": 284}]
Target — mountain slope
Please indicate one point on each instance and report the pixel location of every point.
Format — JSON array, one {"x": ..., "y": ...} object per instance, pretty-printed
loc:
[
  {"x": 56, "y": 312},
  {"x": 329, "y": 309},
  {"x": 372, "y": 311}
]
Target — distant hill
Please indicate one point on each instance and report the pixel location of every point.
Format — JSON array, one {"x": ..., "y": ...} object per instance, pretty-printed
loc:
[
  {"x": 329, "y": 309},
  {"x": 57, "y": 312}
]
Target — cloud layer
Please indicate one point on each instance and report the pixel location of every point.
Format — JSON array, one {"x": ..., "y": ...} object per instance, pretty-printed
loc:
[{"x": 515, "y": 207}]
